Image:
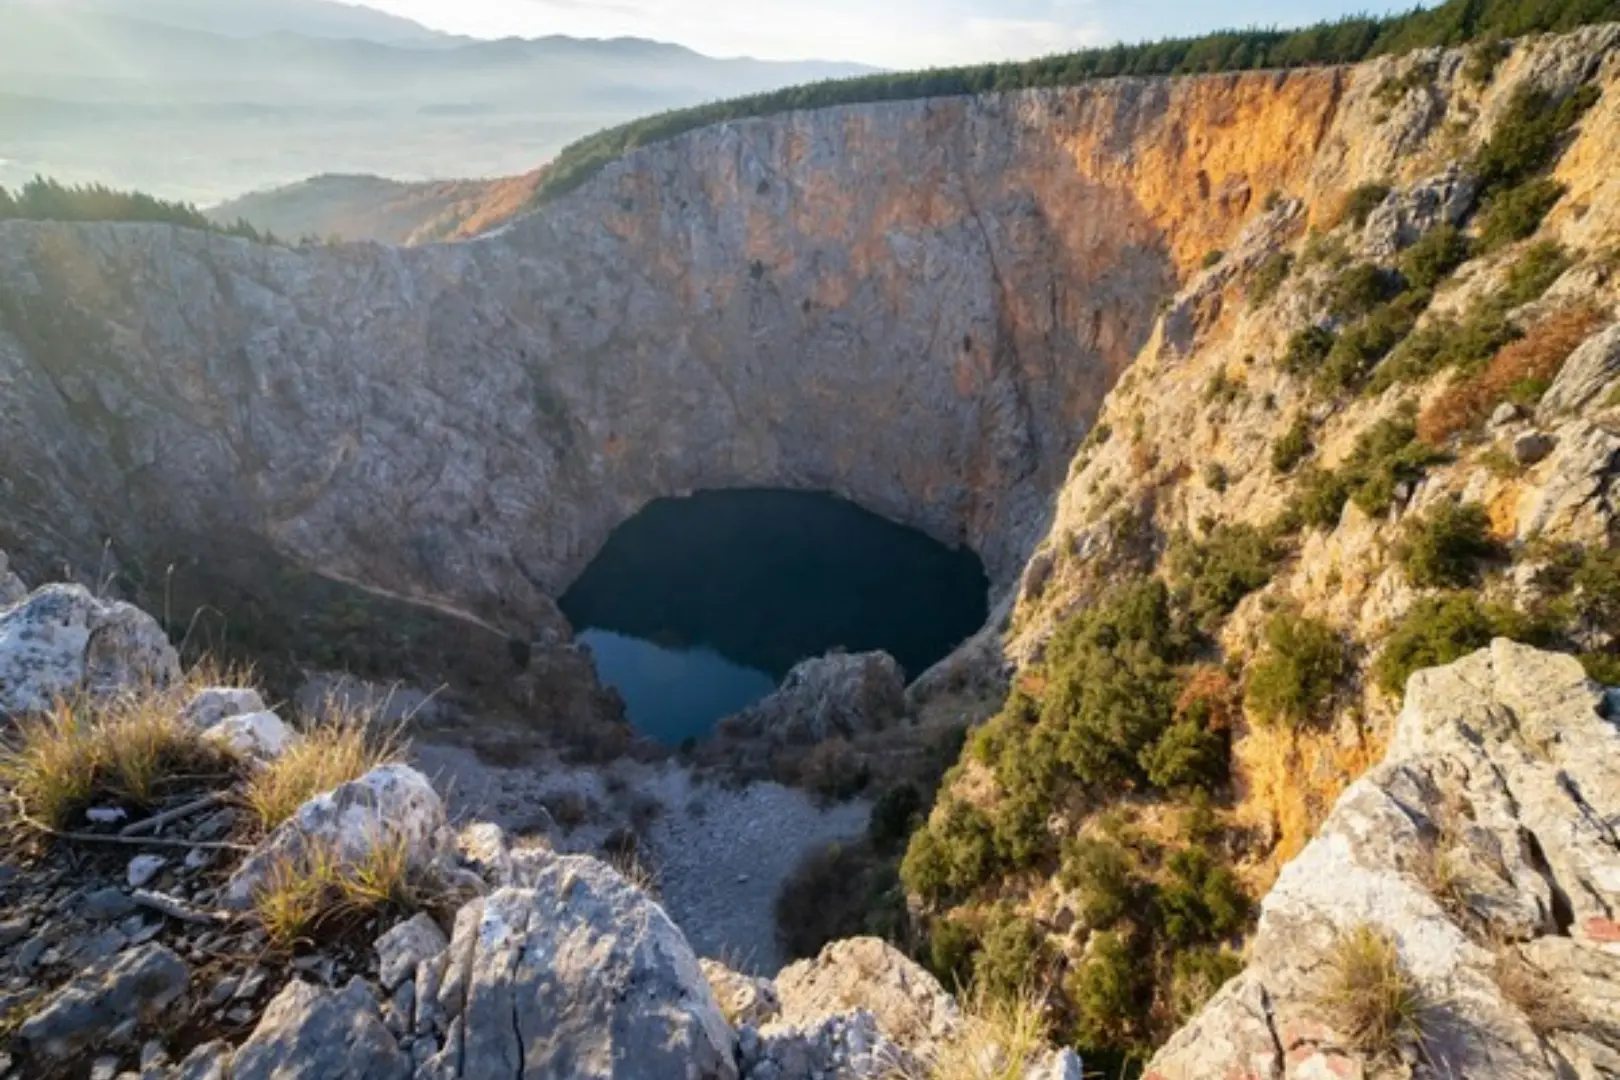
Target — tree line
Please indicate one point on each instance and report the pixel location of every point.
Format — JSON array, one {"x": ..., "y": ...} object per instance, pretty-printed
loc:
[
  {"x": 1349, "y": 40},
  {"x": 41, "y": 199}
]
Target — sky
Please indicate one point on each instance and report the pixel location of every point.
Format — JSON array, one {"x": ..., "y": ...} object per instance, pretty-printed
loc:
[{"x": 886, "y": 33}]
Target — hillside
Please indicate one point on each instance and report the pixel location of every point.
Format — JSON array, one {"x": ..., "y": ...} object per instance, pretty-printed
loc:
[
  {"x": 387, "y": 211},
  {"x": 1278, "y": 405},
  {"x": 207, "y": 108}
]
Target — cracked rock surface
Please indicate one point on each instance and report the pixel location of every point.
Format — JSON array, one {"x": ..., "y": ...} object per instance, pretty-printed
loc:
[{"x": 1485, "y": 847}]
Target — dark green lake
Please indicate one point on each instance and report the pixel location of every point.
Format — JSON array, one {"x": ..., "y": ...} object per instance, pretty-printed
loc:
[{"x": 697, "y": 607}]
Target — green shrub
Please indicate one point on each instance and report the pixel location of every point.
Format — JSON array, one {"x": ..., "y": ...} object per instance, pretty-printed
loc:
[
  {"x": 1109, "y": 992},
  {"x": 1307, "y": 350},
  {"x": 1196, "y": 975},
  {"x": 1363, "y": 344},
  {"x": 1296, "y": 676},
  {"x": 1213, "y": 259},
  {"x": 1528, "y": 137},
  {"x": 1385, "y": 456},
  {"x": 951, "y": 857},
  {"x": 1269, "y": 276},
  {"x": 1534, "y": 273},
  {"x": 1434, "y": 257},
  {"x": 1444, "y": 343},
  {"x": 1483, "y": 60},
  {"x": 1438, "y": 630},
  {"x": 1012, "y": 956},
  {"x": 1100, "y": 872},
  {"x": 1213, "y": 575},
  {"x": 1027, "y": 775},
  {"x": 1201, "y": 901},
  {"x": 1515, "y": 213},
  {"x": 1360, "y": 289},
  {"x": 1441, "y": 549},
  {"x": 1319, "y": 499},
  {"x": 951, "y": 948},
  {"x": 1222, "y": 390},
  {"x": 1188, "y": 757},
  {"x": 1292, "y": 447},
  {"x": 1111, "y": 682},
  {"x": 1361, "y": 202},
  {"x": 1216, "y": 477}
]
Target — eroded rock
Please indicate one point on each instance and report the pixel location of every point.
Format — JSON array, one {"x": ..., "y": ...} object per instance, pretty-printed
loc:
[
  {"x": 868, "y": 973},
  {"x": 405, "y": 946},
  {"x": 390, "y": 804},
  {"x": 135, "y": 986},
  {"x": 309, "y": 1033},
  {"x": 62, "y": 641},
  {"x": 582, "y": 975},
  {"x": 1502, "y": 782},
  {"x": 840, "y": 695}
]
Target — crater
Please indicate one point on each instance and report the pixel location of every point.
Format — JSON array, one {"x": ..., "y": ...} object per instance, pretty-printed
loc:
[{"x": 696, "y": 607}]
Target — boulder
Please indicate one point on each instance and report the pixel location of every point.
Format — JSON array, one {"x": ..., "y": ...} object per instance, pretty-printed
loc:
[
  {"x": 840, "y": 1047},
  {"x": 310, "y": 1033},
  {"x": 401, "y": 949},
  {"x": 840, "y": 695},
  {"x": 1532, "y": 447},
  {"x": 257, "y": 735},
  {"x": 868, "y": 973},
  {"x": 745, "y": 999},
  {"x": 135, "y": 986},
  {"x": 1485, "y": 838},
  {"x": 390, "y": 804},
  {"x": 1406, "y": 215},
  {"x": 1573, "y": 501},
  {"x": 62, "y": 641},
  {"x": 581, "y": 976},
  {"x": 213, "y": 704},
  {"x": 1588, "y": 377}
]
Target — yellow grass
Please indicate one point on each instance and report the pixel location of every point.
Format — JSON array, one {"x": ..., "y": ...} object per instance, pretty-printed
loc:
[
  {"x": 1369, "y": 998},
  {"x": 121, "y": 752},
  {"x": 999, "y": 1039},
  {"x": 333, "y": 751}
]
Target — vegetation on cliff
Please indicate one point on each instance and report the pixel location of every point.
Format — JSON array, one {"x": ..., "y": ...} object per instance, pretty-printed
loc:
[
  {"x": 1346, "y": 41},
  {"x": 42, "y": 199}
]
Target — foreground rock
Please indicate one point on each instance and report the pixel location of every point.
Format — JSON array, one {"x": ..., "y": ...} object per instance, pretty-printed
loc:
[
  {"x": 392, "y": 804},
  {"x": 308, "y": 1033},
  {"x": 61, "y": 642},
  {"x": 841, "y": 695},
  {"x": 580, "y": 976},
  {"x": 1485, "y": 848},
  {"x": 869, "y": 974},
  {"x": 99, "y": 1004}
]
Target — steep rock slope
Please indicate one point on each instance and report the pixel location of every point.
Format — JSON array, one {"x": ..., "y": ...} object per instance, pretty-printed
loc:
[{"x": 919, "y": 306}]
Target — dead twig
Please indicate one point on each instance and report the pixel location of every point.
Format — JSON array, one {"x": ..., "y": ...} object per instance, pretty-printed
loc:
[
  {"x": 177, "y": 909},
  {"x": 23, "y": 818},
  {"x": 157, "y": 821}
]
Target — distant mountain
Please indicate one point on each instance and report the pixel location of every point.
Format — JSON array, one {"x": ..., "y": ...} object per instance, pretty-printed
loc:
[
  {"x": 372, "y": 208},
  {"x": 205, "y": 99},
  {"x": 257, "y": 18}
]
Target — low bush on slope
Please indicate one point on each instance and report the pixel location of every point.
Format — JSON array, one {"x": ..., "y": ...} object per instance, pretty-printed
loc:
[{"x": 47, "y": 200}]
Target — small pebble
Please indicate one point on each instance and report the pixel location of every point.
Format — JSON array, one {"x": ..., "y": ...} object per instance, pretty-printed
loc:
[
  {"x": 105, "y": 1068},
  {"x": 143, "y": 868}
]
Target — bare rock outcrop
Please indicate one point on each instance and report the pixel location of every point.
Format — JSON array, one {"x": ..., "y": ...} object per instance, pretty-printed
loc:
[
  {"x": 311, "y": 1033},
  {"x": 582, "y": 974},
  {"x": 133, "y": 986},
  {"x": 839, "y": 695},
  {"x": 61, "y": 642},
  {"x": 869, "y": 974},
  {"x": 1484, "y": 849},
  {"x": 392, "y": 804}
]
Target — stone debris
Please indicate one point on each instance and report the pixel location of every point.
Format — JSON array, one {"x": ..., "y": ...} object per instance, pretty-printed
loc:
[{"x": 96, "y": 1005}]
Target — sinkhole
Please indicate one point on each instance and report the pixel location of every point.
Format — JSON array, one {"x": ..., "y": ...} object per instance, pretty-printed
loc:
[{"x": 698, "y": 606}]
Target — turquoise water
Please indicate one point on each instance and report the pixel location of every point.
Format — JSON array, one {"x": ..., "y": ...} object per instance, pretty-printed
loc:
[{"x": 697, "y": 607}]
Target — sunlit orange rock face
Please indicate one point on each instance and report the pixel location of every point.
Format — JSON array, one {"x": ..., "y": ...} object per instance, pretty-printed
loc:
[{"x": 918, "y": 305}]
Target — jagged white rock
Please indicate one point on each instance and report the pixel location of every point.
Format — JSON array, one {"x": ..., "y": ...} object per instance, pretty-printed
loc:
[
  {"x": 390, "y": 804},
  {"x": 62, "y": 641},
  {"x": 258, "y": 735}
]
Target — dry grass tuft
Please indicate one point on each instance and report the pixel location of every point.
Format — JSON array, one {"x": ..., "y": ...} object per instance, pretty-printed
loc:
[
  {"x": 1524, "y": 369},
  {"x": 333, "y": 751},
  {"x": 124, "y": 752},
  {"x": 315, "y": 892},
  {"x": 1546, "y": 1006},
  {"x": 1369, "y": 998},
  {"x": 999, "y": 1039}
]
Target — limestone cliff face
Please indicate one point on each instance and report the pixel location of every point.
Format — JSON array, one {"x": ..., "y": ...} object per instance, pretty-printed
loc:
[{"x": 919, "y": 306}]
